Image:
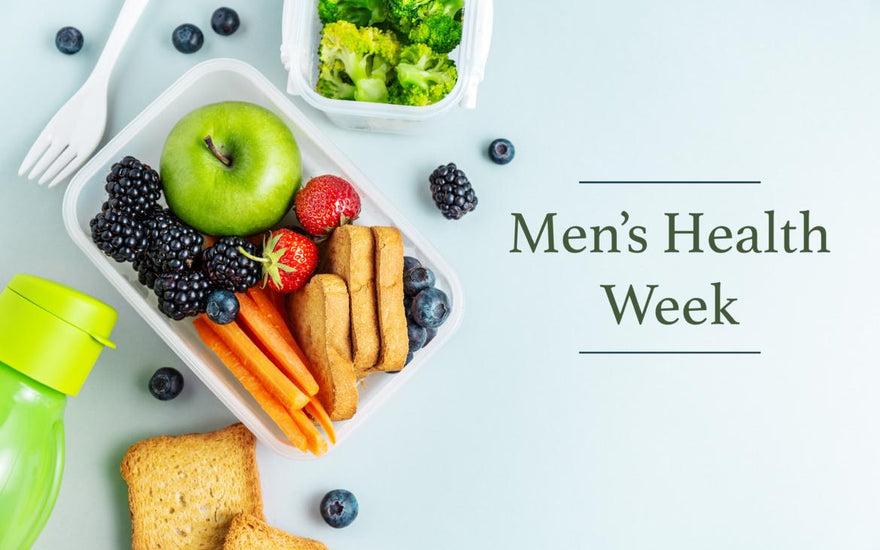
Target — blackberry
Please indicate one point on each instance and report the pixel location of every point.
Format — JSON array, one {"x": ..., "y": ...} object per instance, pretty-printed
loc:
[
  {"x": 118, "y": 234},
  {"x": 133, "y": 186},
  {"x": 174, "y": 246},
  {"x": 452, "y": 192},
  {"x": 228, "y": 268},
  {"x": 183, "y": 294},
  {"x": 147, "y": 272}
]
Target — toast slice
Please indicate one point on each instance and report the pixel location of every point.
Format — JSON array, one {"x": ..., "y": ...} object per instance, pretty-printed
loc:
[
  {"x": 250, "y": 533},
  {"x": 319, "y": 313},
  {"x": 184, "y": 491},
  {"x": 349, "y": 254},
  {"x": 388, "y": 246}
]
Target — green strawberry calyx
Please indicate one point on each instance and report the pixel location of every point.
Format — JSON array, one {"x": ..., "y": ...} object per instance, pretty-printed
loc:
[{"x": 271, "y": 260}]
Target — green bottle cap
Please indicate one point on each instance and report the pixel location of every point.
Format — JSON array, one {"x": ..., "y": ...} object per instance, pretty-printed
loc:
[{"x": 52, "y": 333}]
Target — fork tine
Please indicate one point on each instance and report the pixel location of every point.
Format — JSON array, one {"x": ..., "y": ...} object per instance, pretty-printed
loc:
[
  {"x": 48, "y": 157},
  {"x": 33, "y": 154},
  {"x": 63, "y": 160},
  {"x": 69, "y": 169}
]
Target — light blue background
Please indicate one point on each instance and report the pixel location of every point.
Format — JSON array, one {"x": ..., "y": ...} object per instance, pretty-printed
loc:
[{"x": 509, "y": 438}]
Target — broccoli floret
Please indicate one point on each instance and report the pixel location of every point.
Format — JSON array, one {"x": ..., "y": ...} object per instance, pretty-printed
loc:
[
  {"x": 334, "y": 82},
  {"x": 436, "y": 23},
  {"x": 423, "y": 76},
  {"x": 357, "y": 63},
  {"x": 362, "y": 13}
]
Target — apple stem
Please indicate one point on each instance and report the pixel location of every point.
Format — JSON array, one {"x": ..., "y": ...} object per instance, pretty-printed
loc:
[
  {"x": 245, "y": 253},
  {"x": 225, "y": 160}
]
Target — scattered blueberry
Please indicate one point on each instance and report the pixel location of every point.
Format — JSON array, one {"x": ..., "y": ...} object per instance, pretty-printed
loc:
[
  {"x": 339, "y": 508},
  {"x": 222, "y": 307},
  {"x": 501, "y": 151},
  {"x": 225, "y": 21},
  {"x": 407, "y": 306},
  {"x": 409, "y": 262},
  {"x": 68, "y": 40},
  {"x": 187, "y": 38},
  {"x": 417, "y": 335},
  {"x": 166, "y": 384},
  {"x": 430, "y": 308},
  {"x": 431, "y": 333},
  {"x": 416, "y": 280},
  {"x": 409, "y": 357}
]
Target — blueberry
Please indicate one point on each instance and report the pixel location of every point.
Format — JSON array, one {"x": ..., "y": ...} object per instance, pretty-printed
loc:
[
  {"x": 417, "y": 336},
  {"x": 68, "y": 40},
  {"x": 501, "y": 151},
  {"x": 339, "y": 508},
  {"x": 430, "y": 308},
  {"x": 409, "y": 262},
  {"x": 225, "y": 21},
  {"x": 431, "y": 333},
  {"x": 409, "y": 358},
  {"x": 222, "y": 307},
  {"x": 416, "y": 280},
  {"x": 407, "y": 306},
  {"x": 166, "y": 384},
  {"x": 187, "y": 38}
]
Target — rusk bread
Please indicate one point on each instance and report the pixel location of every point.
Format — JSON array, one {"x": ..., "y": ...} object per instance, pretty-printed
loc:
[
  {"x": 389, "y": 299},
  {"x": 319, "y": 313},
  {"x": 349, "y": 254},
  {"x": 250, "y": 533},
  {"x": 184, "y": 491}
]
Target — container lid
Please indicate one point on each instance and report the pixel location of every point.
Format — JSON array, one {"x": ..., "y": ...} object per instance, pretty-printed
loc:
[{"x": 52, "y": 333}]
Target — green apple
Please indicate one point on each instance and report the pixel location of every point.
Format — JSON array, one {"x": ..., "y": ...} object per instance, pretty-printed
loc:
[{"x": 230, "y": 168}]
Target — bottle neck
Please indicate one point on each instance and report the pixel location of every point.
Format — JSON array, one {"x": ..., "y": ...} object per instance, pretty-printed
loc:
[{"x": 18, "y": 388}]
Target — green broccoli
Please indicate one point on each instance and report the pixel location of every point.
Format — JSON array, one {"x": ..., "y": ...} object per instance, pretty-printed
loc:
[
  {"x": 436, "y": 23},
  {"x": 362, "y": 13},
  {"x": 357, "y": 63},
  {"x": 423, "y": 76}
]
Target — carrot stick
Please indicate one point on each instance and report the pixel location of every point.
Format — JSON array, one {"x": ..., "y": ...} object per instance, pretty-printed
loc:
[
  {"x": 277, "y": 298},
  {"x": 284, "y": 355},
  {"x": 260, "y": 366},
  {"x": 264, "y": 302},
  {"x": 266, "y": 400},
  {"x": 318, "y": 445},
  {"x": 317, "y": 412}
]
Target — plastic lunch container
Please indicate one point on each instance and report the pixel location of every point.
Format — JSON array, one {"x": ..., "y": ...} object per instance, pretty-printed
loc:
[
  {"x": 301, "y": 35},
  {"x": 222, "y": 80}
]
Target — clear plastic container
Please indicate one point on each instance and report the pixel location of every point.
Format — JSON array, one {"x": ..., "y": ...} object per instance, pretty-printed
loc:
[
  {"x": 222, "y": 80},
  {"x": 301, "y": 35}
]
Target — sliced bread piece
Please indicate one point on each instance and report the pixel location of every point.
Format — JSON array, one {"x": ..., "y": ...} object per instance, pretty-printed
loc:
[
  {"x": 388, "y": 246},
  {"x": 250, "y": 533},
  {"x": 184, "y": 491},
  {"x": 319, "y": 313},
  {"x": 349, "y": 254}
]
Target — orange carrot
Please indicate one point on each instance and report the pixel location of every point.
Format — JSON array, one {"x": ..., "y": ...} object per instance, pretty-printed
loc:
[
  {"x": 283, "y": 354},
  {"x": 317, "y": 412},
  {"x": 317, "y": 443},
  {"x": 278, "y": 300},
  {"x": 266, "y": 400},
  {"x": 276, "y": 317},
  {"x": 260, "y": 366}
]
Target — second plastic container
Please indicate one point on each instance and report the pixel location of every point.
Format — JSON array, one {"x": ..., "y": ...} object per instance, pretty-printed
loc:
[{"x": 301, "y": 34}]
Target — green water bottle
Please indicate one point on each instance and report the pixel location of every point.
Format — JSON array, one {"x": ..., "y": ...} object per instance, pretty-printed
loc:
[{"x": 50, "y": 337}]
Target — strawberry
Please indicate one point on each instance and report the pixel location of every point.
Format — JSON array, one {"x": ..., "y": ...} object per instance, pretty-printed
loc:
[
  {"x": 289, "y": 260},
  {"x": 325, "y": 203}
]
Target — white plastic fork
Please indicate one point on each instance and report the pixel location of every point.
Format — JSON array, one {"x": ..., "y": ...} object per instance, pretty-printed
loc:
[{"x": 72, "y": 135}]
